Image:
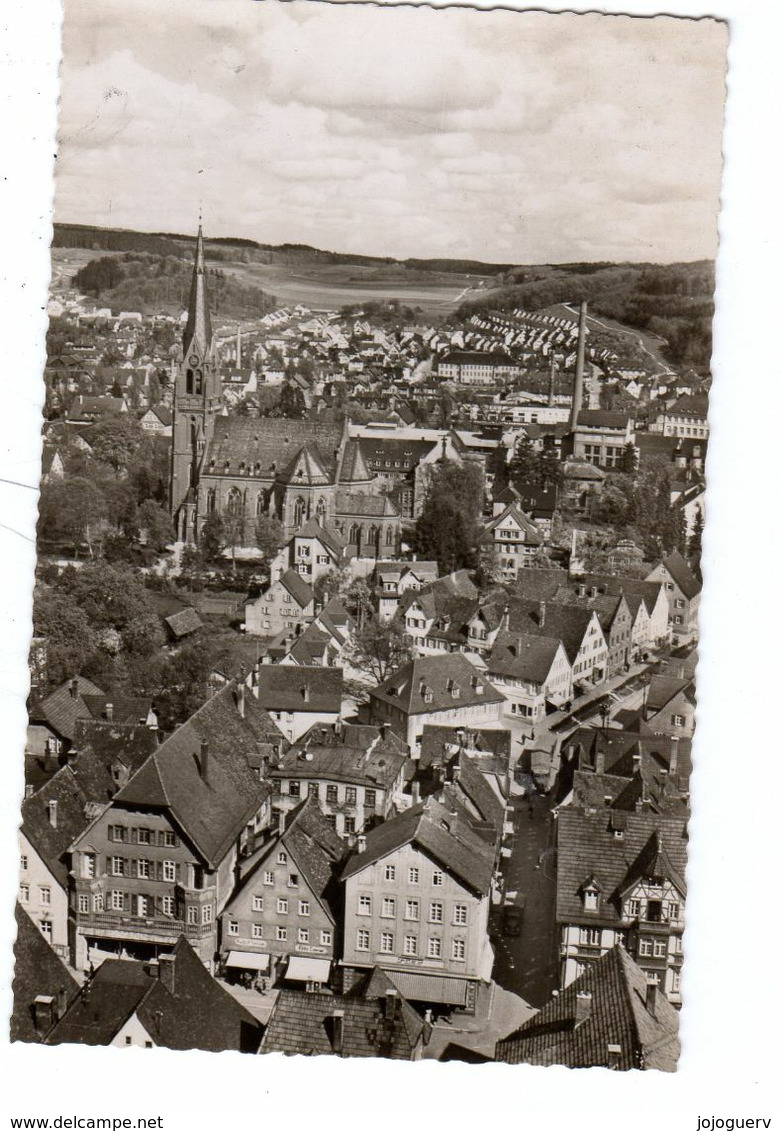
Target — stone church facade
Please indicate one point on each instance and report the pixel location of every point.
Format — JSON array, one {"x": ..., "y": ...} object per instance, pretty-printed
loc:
[{"x": 242, "y": 468}]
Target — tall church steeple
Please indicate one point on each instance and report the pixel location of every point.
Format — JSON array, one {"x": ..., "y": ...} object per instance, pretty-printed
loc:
[{"x": 197, "y": 400}]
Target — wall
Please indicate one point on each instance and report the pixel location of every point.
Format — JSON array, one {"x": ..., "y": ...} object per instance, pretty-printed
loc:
[{"x": 37, "y": 879}]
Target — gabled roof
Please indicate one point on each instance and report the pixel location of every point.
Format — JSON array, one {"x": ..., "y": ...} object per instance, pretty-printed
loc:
[
  {"x": 451, "y": 681},
  {"x": 599, "y": 418},
  {"x": 63, "y": 706},
  {"x": 197, "y": 1013},
  {"x": 587, "y": 847},
  {"x": 212, "y": 811},
  {"x": 662, "y": 689},
  {"x": 618, "y": 1018},
  {"x": 112, "y": 742},
  {"x": 125, "y": 708},
  {"x": 52, "y": 840},
  {"x": 374, "y": 1022},
  {"x": 325, "y": 756},
  {"x": 653, "y": 861},
  {"x": 679, "y": 570},
  {"x": 467, "y": 779},
  {"x": 350, "y": 504},
  {"x": 298, "y": 589},
  {"x": 306, "y": 468},
  {"x": 567, "y": 623},
  {"x": 330, "y": 538},
  {"x": 37, "y": 970},
  {"x": 521, "y": 520},
  {"x": 448, "y": 838},
  {"x": 352, "y": 468},
  {"x": 184, "y": 622},
  {"x": 529, "y": 658},
  {"x": 314, "y": 688},
  {"x": 270, "y": 443}
]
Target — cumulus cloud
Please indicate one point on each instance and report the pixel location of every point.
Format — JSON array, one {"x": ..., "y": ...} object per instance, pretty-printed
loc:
[{"x": 395, "y": 131}]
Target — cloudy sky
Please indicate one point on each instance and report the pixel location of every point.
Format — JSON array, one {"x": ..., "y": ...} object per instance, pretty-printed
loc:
[{"x": 504, "y": 136}]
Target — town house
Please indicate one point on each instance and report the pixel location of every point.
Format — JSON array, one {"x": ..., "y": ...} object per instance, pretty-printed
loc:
[
  {"x": 516, "y": 540},
  {"x": 298, "y": 697},
  {"x": 286, "y": 606},
  {"x": 416, "y": 901},
  {"x": 683, "y": 592},
  {"x": 313, "y": 551}
]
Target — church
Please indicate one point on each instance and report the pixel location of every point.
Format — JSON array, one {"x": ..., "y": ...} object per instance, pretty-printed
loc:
[{"x": 241, "y": 467}]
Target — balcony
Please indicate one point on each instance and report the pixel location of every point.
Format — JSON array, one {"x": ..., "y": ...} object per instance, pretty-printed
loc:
[{"x": 111, "y": 923}]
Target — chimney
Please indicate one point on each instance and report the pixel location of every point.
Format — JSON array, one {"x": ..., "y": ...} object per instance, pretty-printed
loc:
[
  {"x": 204, "y": 762},
  {"x": 43, "y": 1013},
  {"x": 167, "y": 966},
  {"x": 541, "y": 615},
  {"x": 613, "y": 1056},
  {"x": 552, "y": 381},
  {"x": 391, "y": 1004},
  {"x": 62, "y": 1002},
  {"x": 580, "y": 365},
  {"x": 384, "y": 731},
  {"x": 674, "y": 755},
  {"x": 305, "y": 692},
  {"x": 240, "y": 703},
  {"x": 651, "y": 994},
  {"x": 415, "y": 791},
  {"x": 599, "y": 759},
  {"x": 594, "y": 592},
  {"x": 74, "y": 689},
  {"x": 505, "y": 619},
  {"x": 337, "y": 1041},
  {"x": 51, "y": 813},
  {"x": 109, "y": 712},
  {"x": 282, "y": 821},
  {"x": 582, "y": 1007},
  {"x": 361, "y": 842}
]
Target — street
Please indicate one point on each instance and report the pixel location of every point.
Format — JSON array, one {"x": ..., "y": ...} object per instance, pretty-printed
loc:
[{"x": 527, "y": 964}]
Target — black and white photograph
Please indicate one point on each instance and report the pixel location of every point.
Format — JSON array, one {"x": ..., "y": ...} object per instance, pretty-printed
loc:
[{"x": 364, "y": 621}]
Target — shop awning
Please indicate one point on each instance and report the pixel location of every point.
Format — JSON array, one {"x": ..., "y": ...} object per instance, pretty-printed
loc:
[
  {"x": 246, "y": 960},
  {"x": 308, "y": 969},
  {"x": 425, "y": 987}
]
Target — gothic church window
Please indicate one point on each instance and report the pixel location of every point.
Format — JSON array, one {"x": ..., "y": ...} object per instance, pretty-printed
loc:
[{"x": 299, "y": 511}]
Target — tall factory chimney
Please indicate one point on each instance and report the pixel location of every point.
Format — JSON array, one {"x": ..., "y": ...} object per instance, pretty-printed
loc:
[
  {"x": 552, "y": 381},
  {"x": 580, "y": 365}
]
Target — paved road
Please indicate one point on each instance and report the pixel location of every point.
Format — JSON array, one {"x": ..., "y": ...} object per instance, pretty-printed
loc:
[{"x": 528, "y": 963}]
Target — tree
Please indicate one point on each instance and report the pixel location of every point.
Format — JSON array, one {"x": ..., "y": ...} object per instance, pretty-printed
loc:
[
  {"x": 449, "y": 527},
  {"x": 628, "y": 460},
  {"x": 359, "y": 600},
  {"x": 291, "y": 403},
  {"x": 115, "y": 441},
  {"x": 70, "y": 638},
  {"x": 695, "y": 539},
  {"x": 269, "y": 535},
  {"x": 157, "y": 523},
  {"x": 212, "y": 537},
  {"x": 524, "y": 465},
  {"x": 72, "y": 510},
  {"x": 379, "y": 647}
]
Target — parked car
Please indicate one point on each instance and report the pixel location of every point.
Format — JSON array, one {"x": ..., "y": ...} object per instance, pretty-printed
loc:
[{"x": 512, "y": 917}]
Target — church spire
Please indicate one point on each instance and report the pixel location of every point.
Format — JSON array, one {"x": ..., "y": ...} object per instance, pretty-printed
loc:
[{"x": 198, "y": 331}]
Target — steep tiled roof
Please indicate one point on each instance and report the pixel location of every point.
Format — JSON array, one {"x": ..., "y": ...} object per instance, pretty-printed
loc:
[
  {"x": 662, "y": 689},
  {"x": 267, "y": 441},
  {"x": 618, "y": 747},
  {"x": 184, "y": 622},
  {"x": 373, "y": 1024},
  {"x": 448, "y": 839},
  {"x": 52, "y": 840},
  {"x": 212, "y": 812},
  {"x": 197, "y": 1014},
  {"x": 329, "y": 537},
  {"x": 450, "y": 681},
  {"x": 599, "y": 418},
  {"x": 372, "y": 764},
  {"x": 299, "y": 688},
  {"x": 301, "y": 593},
  {"x": 349, "y": 503},
  {"x": 587, "y": 848},
  {"x": 306, "y": 468},
  {"x": 529, "y": 658},
  {"x": 37, "y": 970},
  {"x": 65, "y": 705},
  {"x": 678, "y": 569},
  {"x": 567, "y": 623},
  {"x": 109, "y": 742},
  {"x": 524, "y": 523},
  {"x": 352, "y": 468},
  {"x": 618, "y": 1018}
]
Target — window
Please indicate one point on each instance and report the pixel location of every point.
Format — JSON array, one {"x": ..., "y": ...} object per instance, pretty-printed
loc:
[
  {"x": 362, "y": 940},
  {"x": 679, "y": 721},
  {"x": 414, "y": 875},
  {"x": 364, "y": 905},
  {"x": 23, "y": 863},
  {"x": 314, "y": 789},
  {"x": 459, "y": 915},
  {"x": 349, "y": 824},
  {"x": 128, "y": 1040},
  {"x": 169, "y": 871},
  {"x": 435, "y": 948},
  {"x": 331, "y": 794},
  {"x": 325, "y": 938},
  {"x": 281, "y": 934},
  {"x": 207, "y": 913},
  {"x": 660, "y": 948},
  {"x": 591, "y": 900},
  {"x": 268, "y": 879},
  {"x": 169, "y": 905},
  {"x": 24, "y": 893},
  {"x": 303, "y": 907},
  {"x": 144, "y": 869},
  {"x": 350, "y": 794},
  {"x": 192, "y": 916},
  {"x": 282, "y": 906},
  {"x": 437, "y": 879},
  {"x": 679, "y": 604},
  {"x": 458, "y": 950},
  {"x": 294, "y": 788},
  {"x": 633, "y": 908},
  {"x": 46, "y": 896},
  {"x": 281, "y": 858},
  {"x": 435, "y": 913},
  {"x": 590, "y": 936},
  {"x": 410, "y": 944},
  {"x": 412, "y": 909},
  {"x": 142, "y": 906},
  {"x": 143, "y": 836},
  {"x": 46, "y": 929},
  {"x": 388, "y": 908},
  {"x": 257, "y": 930},
  {"x": 83, "y": 905},
  {"x": 116, "y": 832},
  {"x": 97, "y": 902},
  {"x": 117, "y": 866},
  {"x": 257, "y": 903},
  {"x": 233, "y": 927},
  {"x": 390, "y": 871},
  {"x": 386, "y": 942},
  {"x": 117, "y": 900},
  {"x": 676, "y": 982},
  {"x": 654, "y": 912},
  {"x": 646, "y": 948},
  {"x": 673, "y": 911},
  {"x": 169, "y": 840},
  {"x": 303, "y": 934}
]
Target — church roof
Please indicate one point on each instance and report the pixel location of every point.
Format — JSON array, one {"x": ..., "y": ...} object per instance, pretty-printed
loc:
[
  {"x": 349, "y": 504},
  {"x": 198, "y": 331},
  {"x": 353, "y": 468},
  {"x": 306, "y": 468},
  {"x": 268, "y": 445}
]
